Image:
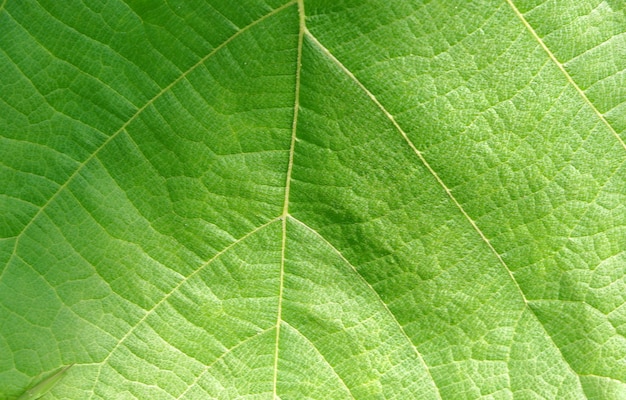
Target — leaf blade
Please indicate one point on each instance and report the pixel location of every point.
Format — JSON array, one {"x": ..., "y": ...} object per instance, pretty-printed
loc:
[{"x": 448, "y": 176}]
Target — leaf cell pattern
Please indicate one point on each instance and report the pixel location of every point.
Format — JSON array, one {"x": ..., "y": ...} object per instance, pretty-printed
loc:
[{"x": 313, "y": 199}]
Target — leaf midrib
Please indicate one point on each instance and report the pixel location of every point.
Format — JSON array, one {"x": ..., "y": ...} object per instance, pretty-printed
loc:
[
  {"x": 303, "y": 31},
  {"x": 285, "y": 213}
]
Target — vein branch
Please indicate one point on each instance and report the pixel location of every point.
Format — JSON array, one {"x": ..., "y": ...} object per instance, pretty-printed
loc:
[
  {"x": 137, "y": 113},
  {"x": 561, "y": 67},
  {"x": 221, "y": 357},
  {"x": 421, "y": 157},
  {"x": 380, "y": 300},
  {"x": 443, "y": 185},
  {"x": 171, "y": 292},
  {"x": 323, "y": 358}
]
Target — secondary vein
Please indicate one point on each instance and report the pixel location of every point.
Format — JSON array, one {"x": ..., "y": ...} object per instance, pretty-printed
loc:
[
  {"x": 419, "y": 154},
  {"x": 122, "y": 128},
  {"x": 560, "y": 66}
]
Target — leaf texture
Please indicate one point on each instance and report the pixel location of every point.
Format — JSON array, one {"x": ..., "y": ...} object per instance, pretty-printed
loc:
[{"x": 313, "y": 199}]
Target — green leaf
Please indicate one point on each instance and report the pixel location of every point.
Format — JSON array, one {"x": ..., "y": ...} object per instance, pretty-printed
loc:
[{"x": 313, "y": 199}]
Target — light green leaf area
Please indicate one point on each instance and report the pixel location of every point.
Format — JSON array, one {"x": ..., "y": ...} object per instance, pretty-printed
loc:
[{"x": 313, "y": 199}]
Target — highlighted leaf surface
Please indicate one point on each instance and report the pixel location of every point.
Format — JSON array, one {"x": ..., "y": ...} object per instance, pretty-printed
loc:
[{"x": 316, "y": 199}]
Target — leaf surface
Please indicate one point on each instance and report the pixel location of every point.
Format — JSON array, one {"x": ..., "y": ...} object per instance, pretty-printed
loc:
[{"x": 313, "y": 199}]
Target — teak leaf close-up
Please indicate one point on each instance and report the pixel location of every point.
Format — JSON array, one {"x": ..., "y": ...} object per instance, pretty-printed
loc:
[{"x": 313, "y": 199}]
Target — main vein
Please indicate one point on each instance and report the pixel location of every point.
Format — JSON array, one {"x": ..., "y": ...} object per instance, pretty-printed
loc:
[{"x": 294, "y": 126}]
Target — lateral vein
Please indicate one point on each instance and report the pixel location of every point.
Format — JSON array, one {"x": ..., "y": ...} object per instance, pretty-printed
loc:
[
  {"x": 136, "y": 114},
  {"x": 560, "y": 66},
  {"x": 419, "y": 154}
]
